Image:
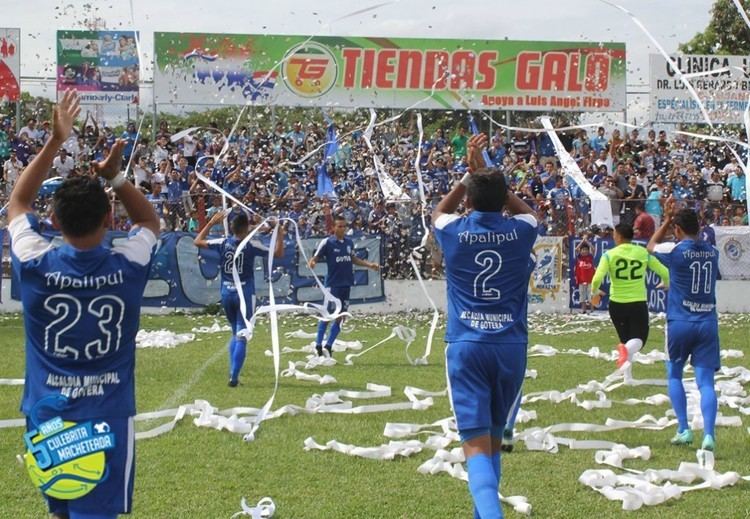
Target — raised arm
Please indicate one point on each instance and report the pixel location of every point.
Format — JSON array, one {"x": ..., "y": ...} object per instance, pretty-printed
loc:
[
  {"x": 663, "y": 229},
  {"x": 27, "y": 186},
  {"x": 140, "y": 210},
  {"x": 200, "y": 240},
  {"x": 452, "y": 200}
]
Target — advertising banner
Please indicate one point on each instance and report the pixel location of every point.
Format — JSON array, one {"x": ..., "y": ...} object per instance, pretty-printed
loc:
[
  {"x": 101, "y": 65},
  {"x": 547, "y": 280},
  {"x": 10, "y": 64},
  {"x": 208, "y": 69},
  {"x": 733, "y": 244},
  {"x": 723, "y": 92},
  {"x": 183, "y": 276},
  {"x": 657, "y": 298}
]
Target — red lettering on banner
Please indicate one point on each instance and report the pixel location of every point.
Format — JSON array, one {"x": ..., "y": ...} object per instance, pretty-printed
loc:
[
  {"x": 574, "y": 68},
  {"x": 486, "y": 68},
  {"x": 554, "y": 71},
  {"x": 409, "y": 69},
  {"x": 368, "y": 68},
  {"x": 310, "y": 68},
  {"x": 385, "y": 68},
  {"x": 560, "y": 71},
  {"x": 462, "y": 70},
  {"x": 597, "y": 72},
  {"x": 351, "y": 56},
  {"x": 527, "y": 70},
  {"x": 436, "y": 69}
]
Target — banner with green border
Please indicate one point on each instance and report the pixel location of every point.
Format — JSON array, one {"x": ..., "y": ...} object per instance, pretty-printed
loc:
[{"x": 233, "y": 69}]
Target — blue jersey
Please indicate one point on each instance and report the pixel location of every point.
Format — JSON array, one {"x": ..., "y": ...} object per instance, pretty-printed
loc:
[
  {"x": 338, "y": 257},
  {"x": 489, "y": 261},
  {"x": 693, "y": 267},
  {"x": 81, "y": 316},
  {"x": 227, "y": 248}
]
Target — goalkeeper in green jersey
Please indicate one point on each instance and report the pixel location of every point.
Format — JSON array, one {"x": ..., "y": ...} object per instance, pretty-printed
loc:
[{"x": 626, "y": 265}]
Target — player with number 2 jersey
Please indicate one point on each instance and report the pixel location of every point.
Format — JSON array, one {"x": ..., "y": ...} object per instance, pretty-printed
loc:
[{"x": 488, "y": 262}]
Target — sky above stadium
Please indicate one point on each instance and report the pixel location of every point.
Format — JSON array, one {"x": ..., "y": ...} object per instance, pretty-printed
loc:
[{"x": 670, "y": 21}]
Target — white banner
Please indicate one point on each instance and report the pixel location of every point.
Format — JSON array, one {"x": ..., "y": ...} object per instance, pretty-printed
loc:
[
  {"x": 734, "y": 252},
  {"x": 720, "y": 81}
]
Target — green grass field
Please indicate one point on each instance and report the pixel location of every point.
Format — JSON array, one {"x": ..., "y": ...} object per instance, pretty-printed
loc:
[{"x": 203, "y": 473}]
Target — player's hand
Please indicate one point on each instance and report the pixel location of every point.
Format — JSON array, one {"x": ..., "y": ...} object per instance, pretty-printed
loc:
[
  {"x": 374, "y": 266},
  {"x": 111, "y": 166},
  {"x": 218, "y": 216},
  {"x": 474, "y": 151},
  {"x": 669, "y": 208},
  {"x": 64, "y": 115},
  {"x": 311, "y": 263},
  {"x": 596, "y": 299}
]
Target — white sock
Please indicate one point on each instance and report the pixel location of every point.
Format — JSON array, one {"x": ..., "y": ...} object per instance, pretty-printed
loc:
[{"x": 633, "y": 346}]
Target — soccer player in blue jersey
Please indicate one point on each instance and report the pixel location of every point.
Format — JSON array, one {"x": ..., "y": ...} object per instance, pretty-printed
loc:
[
  {"x": 692, "y": 329},
  {"x": 488, "y": 260},
  {"x": 82, "y": 305},
  {"x": 338, "y": 253},
  {"x": 230, "y": 296}
]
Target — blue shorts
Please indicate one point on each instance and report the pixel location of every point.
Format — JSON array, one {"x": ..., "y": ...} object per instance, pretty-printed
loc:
[
  {"x": 698, "y": 340},
  {"x": 484, "y": 382},
  {"x": 114, "y": 494},
  {"x": 230, "y": 301},
  {"x": 343, "y": 294}
]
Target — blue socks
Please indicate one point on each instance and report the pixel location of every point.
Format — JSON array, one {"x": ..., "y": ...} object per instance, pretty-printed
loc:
[
  {"x": 237, "y": 352},
  {"x": 483, "y": 483},
  {"x": 335, "y": 329},
  {"x": 322, "y": 325},
  {"x": 704, "y": 377},
  {"x": 496, "y": 467},
  {"x": 677, "y": 394}
]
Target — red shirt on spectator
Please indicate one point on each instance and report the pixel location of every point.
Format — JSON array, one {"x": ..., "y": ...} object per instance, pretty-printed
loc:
[
  {"x": 644, "y": 226},
  {"x": 584, "y": 270}
]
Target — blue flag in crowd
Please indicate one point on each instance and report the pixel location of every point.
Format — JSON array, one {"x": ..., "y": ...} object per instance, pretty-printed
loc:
[
  {"x": 325, "y": 185},
  {"x": 474, "y": 131}
]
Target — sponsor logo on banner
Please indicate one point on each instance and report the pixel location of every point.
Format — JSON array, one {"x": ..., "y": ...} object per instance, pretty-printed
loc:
[
  {"x": 733, "y": 249},
  {"x": 309, "y": 70},
  {"x": 733, "y": 243}
]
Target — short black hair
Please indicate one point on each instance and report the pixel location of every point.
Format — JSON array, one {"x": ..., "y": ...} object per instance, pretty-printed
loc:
[
  {"x": 239, "y": 223},
  {"x": 80, "y": 206},
  {"x": 687, "y": 220},
  {"x": 487, "y": 190},
  {"x": 339, "y": 218},
  {"x": 625, "y": 230}
]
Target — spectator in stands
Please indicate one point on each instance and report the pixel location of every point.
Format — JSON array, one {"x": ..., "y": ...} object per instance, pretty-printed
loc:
[
  {"x": 644, "y": 225},
  {"x": 614, "y": 194},
  {"x": 583, "y": 274}
]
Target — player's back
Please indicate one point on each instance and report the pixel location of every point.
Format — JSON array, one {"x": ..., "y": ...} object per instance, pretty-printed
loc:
[
  {"x": 81, "y": 316},
  {"x": 228, "y": 249},
  {"x": 627, "y": 272},
  {"x": 489, "y": 261},
  {"x": 693, "y": 268}
]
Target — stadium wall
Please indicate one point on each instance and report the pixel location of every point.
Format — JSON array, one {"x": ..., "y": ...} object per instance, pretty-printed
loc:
[{"x": 406, "y": 295}]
